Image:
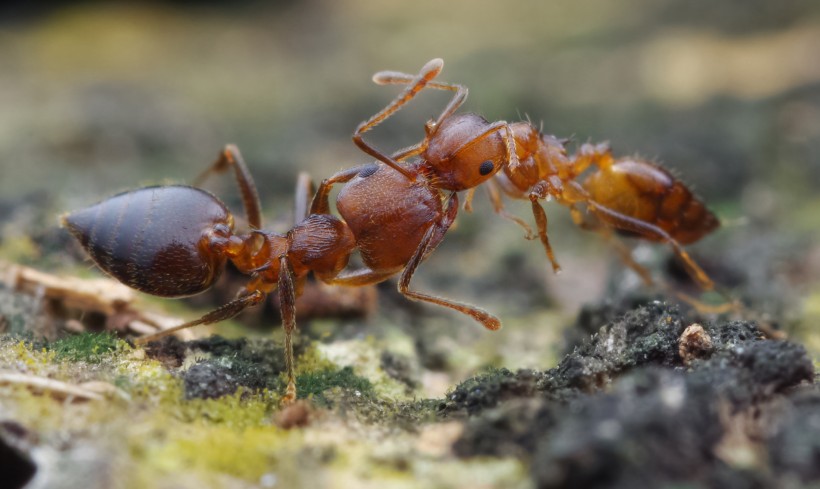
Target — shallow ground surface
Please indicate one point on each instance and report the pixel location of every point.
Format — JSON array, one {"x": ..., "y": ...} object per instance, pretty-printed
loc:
[
  {"x": 651, "y": 399},
  {"x": 594, "y": 381}
]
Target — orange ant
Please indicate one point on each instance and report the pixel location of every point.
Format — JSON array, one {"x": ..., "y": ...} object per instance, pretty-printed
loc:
[{"x": 628, "y": 195}]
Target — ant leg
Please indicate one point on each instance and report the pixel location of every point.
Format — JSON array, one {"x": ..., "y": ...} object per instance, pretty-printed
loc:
[
  {"x": 625, "y": 254},
  {"x": 626, "y": 257},
  {"x": 410, "y": 151},
  {"x": 621, "y": 249},
  {"x": 302, "y": 198},
  {"x": 498, "y": 206},
  {"x": 287, "y": 301},
  {"x": 431, "y": 240},
  {"x": 398, "y": 78},
  {"x": 230, "y": 157},
  {"x": 360, "y": 277},
  {"x": 320, "y": 204},
  {"x": 227, "y": 311},
  {"x": 541, "y": 222},
  {"x": 599, "y": 155},
  {"x": 647, "y": 229},
  {"x": 468, "y": 200},
  {"x": 427, "y": 73}
]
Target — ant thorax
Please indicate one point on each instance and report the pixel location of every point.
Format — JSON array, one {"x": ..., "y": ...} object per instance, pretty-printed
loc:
[{"x": 540, "y": 158}]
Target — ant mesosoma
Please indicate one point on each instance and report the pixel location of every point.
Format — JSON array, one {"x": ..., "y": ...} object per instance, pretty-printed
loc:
[{"x": 628, "y": 196}]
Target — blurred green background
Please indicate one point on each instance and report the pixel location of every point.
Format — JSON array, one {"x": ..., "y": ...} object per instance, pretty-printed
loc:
[{"x": 96, "y": 97}]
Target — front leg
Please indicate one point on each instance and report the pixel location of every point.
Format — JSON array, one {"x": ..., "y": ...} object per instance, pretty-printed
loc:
[
  {"x": 428, "y": 244},
  {"x": 428, "y": 72},
  {"x": 539, "y": 192}
]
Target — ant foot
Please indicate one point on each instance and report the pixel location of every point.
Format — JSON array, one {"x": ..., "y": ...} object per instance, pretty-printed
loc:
[{"x": 290, "y": 395}]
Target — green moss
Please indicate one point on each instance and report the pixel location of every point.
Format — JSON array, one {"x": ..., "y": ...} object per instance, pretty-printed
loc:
[
  {"x": 86, "y": 347},
  {"x": 312, "y": 360},
  {"x": 486, "y": 390},
  {"x": 314, "y": 384}
]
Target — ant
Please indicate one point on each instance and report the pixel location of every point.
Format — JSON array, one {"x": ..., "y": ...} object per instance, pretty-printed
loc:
[
  {"x": 628, "y": 196},
  {"x": 174, "y": 241}
]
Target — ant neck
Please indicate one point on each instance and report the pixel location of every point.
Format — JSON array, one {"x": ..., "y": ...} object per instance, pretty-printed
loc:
[{"x": 257, "y": 253}]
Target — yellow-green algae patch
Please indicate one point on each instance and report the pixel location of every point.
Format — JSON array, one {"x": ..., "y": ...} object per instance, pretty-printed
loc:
[{"x": 243, "y": 445}]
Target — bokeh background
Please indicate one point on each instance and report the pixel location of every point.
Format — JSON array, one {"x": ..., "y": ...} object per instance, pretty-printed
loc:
[{"x": 97, "y": 97}]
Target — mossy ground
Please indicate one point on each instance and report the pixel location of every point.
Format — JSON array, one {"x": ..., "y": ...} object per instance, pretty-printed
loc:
[
  {"x": 206, "y": 413},
  {"x": 158, "y": 428}
]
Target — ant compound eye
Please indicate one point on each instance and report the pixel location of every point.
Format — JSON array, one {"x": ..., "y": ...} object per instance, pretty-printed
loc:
[
  {"x": 486, "y": 167},
  {"x": 368, "y": 170}
]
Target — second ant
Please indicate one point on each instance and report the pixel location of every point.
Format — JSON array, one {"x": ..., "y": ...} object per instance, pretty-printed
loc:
[{"x": 627, "y": 196}]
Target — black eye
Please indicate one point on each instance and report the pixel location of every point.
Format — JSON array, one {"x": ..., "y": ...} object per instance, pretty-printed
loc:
[{"x": 486, "y": 167}]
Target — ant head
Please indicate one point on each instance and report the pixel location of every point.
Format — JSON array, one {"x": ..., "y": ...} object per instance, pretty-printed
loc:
[{"x": 462, "y": 154}]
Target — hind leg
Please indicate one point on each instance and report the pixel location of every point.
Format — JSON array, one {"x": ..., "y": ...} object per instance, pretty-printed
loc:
[{"x": 230, "y": 157}]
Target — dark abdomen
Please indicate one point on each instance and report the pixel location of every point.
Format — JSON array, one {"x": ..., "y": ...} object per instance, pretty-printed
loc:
[{"x": 151, "y": 238}]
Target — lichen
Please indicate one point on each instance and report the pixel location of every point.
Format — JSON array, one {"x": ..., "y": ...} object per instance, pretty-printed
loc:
[
  {"x": 86, "y": 347},
  {"x": 312, "y": 385}
]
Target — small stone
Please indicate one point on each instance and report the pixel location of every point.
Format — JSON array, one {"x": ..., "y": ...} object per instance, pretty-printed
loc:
[{"x": 694, "y": 344}]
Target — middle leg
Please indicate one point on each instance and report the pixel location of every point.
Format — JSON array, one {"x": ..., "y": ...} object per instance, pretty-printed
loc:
[{"x": 229, "y": 310}]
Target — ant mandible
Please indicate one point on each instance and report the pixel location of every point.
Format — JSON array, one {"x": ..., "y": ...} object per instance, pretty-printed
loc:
[
  {"x": 629, "y": 196},
  {"x": 174, "y": 241}
]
